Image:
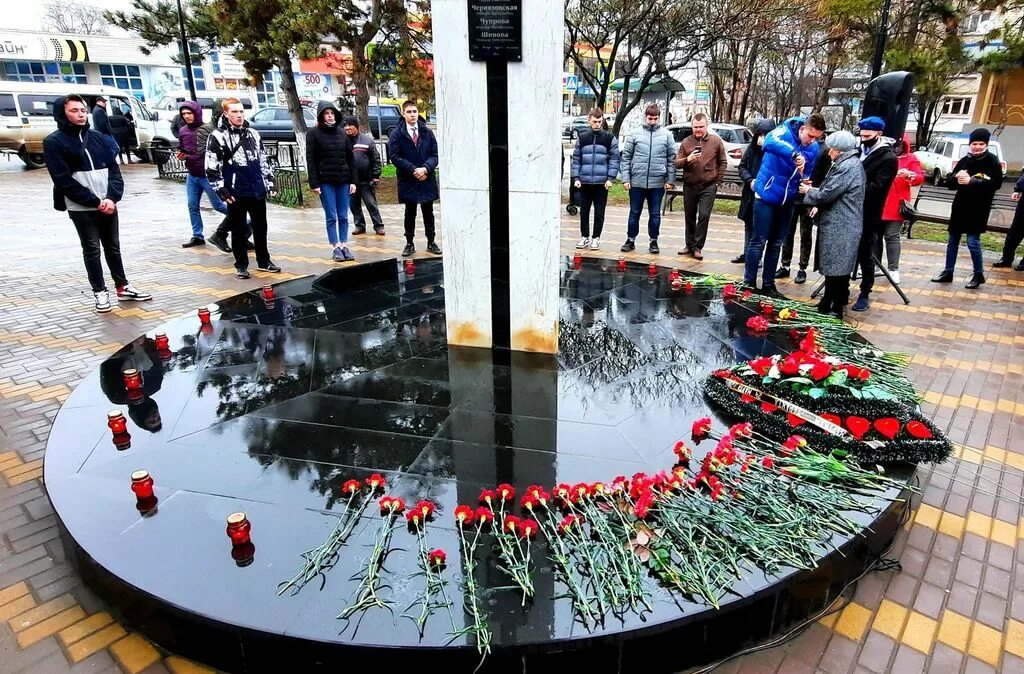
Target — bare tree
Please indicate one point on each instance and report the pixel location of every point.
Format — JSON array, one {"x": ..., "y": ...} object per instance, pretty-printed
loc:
[{"x": 74, "y": 17}]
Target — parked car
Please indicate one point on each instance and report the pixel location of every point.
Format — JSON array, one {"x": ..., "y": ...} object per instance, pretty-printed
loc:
[
  {"x": 26, "y": 118},
  {"x": 390, "y": 118},
  {"x": 275, "y": 123},
  {"x": 942, "y": 153},
  {"x": 735, "y": 138},
  {"x": 572, "y": 126},
  {"x": 170, "y": 103}
]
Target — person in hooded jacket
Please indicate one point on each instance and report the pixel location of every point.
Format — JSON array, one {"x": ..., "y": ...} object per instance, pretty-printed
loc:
[
  {"x": 220, "y": 237},
  {"x": 196, "y": 183},
  {"x": 331, "y": 175},
  {"x": 908, "y": 174},
  {"x": 750, "y": 164},
  {"x": 839, "y": 203},
  {"x": 237, "y": 167},
  {"x": 976, "y": 179},
  {"x": 880, "y": 166},
  {"x": 790, "y": 151},
  {"x": 87, "y": 184},
  {"x": 412, "y": 148}
]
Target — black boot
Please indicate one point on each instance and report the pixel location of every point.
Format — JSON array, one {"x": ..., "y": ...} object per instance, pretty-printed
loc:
[
  {"x": 1002, "y": 264},
  {"x": 943, "y": 277},
  {"x": 976, "y": 280},
  {"x": 825, "y": 305}
]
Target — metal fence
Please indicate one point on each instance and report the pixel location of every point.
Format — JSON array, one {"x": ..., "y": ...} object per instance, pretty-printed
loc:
[{"x": 289, "y": 173}]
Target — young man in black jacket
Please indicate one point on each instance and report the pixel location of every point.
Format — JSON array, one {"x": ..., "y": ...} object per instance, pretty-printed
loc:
[
  {"x": 367, "y": 166},
  {"x": 880, "y": 166},
  {"x": 329, "y": 169},
  {"x": 412, "y": 148},
  {"x": 87, "y": 184}
]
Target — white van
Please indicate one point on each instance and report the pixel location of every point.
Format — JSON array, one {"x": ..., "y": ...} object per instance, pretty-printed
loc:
[
  {"x": 26, "y": 118},
  {"x": 167, "y": 107}
]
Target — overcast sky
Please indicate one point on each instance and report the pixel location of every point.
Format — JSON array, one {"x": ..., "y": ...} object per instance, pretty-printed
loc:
[{"x": 27, "y": 14}]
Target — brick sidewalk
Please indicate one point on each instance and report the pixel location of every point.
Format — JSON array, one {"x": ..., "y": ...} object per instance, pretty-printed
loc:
[{"x": 957, "y": 605}]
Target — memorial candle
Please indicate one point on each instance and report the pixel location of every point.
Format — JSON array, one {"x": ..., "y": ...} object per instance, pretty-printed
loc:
[
  {"x": 652, "y": 269},
  {"x": 268, "y": 291},
  {"x": 160, "y": 341},
  {"x": 204, "y": 316},
  {"x": 577, "y": 261},
  {"x": 116, "y": 422},
  {"x": 132, "y": 379},
  {"x": 238, "y": 528},
  {"x": 410, "y": 267},
  {"x": 622, "y": 263},
  {"x": 142, "y": 484}
]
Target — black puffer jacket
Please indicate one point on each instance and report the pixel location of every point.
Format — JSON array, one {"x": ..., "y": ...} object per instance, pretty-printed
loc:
[{"x": 328, "y": 151}]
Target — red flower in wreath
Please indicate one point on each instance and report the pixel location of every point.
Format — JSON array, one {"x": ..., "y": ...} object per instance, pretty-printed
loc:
[
  {"x": 464, "y": 516},
  {"x": 758, "y": 324},
  {"x": 761, "y": 365},
  {"x": 919, "y": 430},
  {"x": 437, "y": 559},
  {"x": 351, "y": 487},
  {"x": 833, "y": 418},
  {"x": 820, "y": 371},
  {"x": 701, "y": 428},
  {"x": 790, "y": 365}
]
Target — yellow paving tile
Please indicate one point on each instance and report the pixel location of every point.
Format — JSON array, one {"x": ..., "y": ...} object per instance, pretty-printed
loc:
[
  {"x": 19, "y": 605},
  {"x": 41, "y": 612},
  {"x": 829, "y": 621},
  {"x": 10, "y": 463},
  {"x": 23, "y": 468},
  {"x": 853, "y": 621},
  {"x": 134, "y": 653},
  {"x": 954, "y": 630},
  {"x": 1004, "y": 532},
  {"x": 9, "y": 455},
  {"x": 889, "y": 619},
  {"x": 25, "y": 477},
  {"x": 978, "y": 524},
  {"x": 985, "y": 644},
  {"x": 95, "y": 642},
  {"x": 179, "y": 665},
  {"x": 928, "y": 516},
  {"x": 50, "y": 626},
  {"x": 1015, "y": 637},
  {"x": 82, "y": 629},
  {"x": 951, "y": 525},
  {"x": 920, "y": 632},
  {"x": 9, "y": 594}
]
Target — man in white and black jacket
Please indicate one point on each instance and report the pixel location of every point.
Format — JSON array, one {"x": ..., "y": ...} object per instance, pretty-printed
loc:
[
  {"x": 366, "y": 160},
  {"x": 237, "y": 167},
  {"x": 87, "y": 184}
]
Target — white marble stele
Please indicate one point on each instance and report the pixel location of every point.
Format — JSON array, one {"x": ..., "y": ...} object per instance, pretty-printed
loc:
[{"x": 535, "y": 147}]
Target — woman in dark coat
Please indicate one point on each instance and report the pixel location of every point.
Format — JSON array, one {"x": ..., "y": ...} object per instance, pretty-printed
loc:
[
  {"x": 412, "y": 148},
  {"x": 329, "y": 167},
  {"x": 750, "y": 164},
  {"x": 976, "y": 179},
  {"x": 839, "y": 203}
]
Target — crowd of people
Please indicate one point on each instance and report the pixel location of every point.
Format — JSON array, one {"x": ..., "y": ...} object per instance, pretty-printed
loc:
[{"x": 854, "y": 190}]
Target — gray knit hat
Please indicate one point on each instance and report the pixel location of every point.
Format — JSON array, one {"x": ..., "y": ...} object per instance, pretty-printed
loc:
[{"x": 842, "y": 141}]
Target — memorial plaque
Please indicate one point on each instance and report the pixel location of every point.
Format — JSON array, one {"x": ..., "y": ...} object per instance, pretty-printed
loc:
[{"x": 495, "y": 30}]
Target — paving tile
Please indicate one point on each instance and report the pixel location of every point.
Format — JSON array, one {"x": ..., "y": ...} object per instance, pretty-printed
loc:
[
  {"x": 919, "y": 633},
  {"x": 95, "y": 642},
  {"x": 985, "y": 644},
  {"x": 954, "y": 630},
  {"x": 50, "y": 626},
  {"x": 853, "y": 621},
  {"x": 84, "y": 628},
  {"x": 134, "y": 653}
]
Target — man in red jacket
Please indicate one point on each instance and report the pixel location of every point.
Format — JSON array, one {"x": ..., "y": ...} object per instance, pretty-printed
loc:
[{"x": 908, "y": 174}]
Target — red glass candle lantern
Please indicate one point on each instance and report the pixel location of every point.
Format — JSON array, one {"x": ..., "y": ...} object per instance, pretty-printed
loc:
[
  {"x": 116, "y": 422},
  {"x": 673, "y": 275},
  {"x": 243, "y": 554},
  {"x": 577, "y": 261},
  {"x": 204, "y": 316},
  {"x": 160, "y": 341},
  {"x": 132, "y": 379},
  {"x": 622, "y": 263},
  {"x": 268, "y": 291},
  {"x": 410, "y": 267},
  {"x": 142, "y": 484},
  {"x": 238, "y": 529},
  {"x": 652, "y": 269}
]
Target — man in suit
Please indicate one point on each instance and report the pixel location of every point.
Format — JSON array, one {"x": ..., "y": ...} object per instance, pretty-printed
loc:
[{"x": 412, "y": 148}]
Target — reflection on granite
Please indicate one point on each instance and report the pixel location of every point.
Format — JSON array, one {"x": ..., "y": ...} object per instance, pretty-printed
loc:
[{"x": 274, "y": 406}]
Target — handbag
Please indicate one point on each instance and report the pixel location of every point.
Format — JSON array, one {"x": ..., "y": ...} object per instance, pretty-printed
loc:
[{"x": 907, "y": 210}]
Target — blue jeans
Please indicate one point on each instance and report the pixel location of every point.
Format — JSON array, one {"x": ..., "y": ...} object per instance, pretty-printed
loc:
[
  {"x": 194, "y": 189},
  {"x": 637, "y": 197},
  {"x": 973, "y": 245},
  {"x": 771, "y": 228},
  {"x": 335, "y": 201}
]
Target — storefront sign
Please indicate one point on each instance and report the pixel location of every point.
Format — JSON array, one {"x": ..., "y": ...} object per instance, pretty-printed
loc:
[
  {"x": 18, "y": 47},
  {"x": 495, "y": 30}
]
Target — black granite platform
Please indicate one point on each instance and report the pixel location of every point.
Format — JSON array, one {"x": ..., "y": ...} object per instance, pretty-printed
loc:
[{"x": 274, "y": 405}]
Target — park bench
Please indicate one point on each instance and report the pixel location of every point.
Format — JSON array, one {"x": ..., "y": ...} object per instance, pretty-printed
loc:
[
  {"x": 933, "y": 203},
  {"x": 731, "y": 189}
]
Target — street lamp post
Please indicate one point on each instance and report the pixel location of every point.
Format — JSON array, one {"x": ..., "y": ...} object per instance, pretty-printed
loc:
[
  {"x": 186, "y": 57},
  {"x": 880, "y": 38}
]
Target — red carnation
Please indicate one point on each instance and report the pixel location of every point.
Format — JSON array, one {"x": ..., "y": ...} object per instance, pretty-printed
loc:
[
  {"x": 484, "y": 515},
  {"x": 599, "y": 489},
  {"x": 581, "y": 491},
  {"x": 437, "y": 558},
  {"x": 376, "y": 482},
  {"x": 821, "y": 370},
  {"x": 747, "y": 294},
  {"x": 529, "y": 502},
  {"x": 682, "y": 452},
  {"x": 701, "y": 428},
  {"x": 767, "y": 462},
  {"x": 487, "y": 496},
  {"x": 425, "y": 508},
  {"x": 351, "y": 487},
  {"x": 563, "y": 493},
  {"x": 464, "y": 515},
  {"x": 643, "y": 504},
  {"x": 538, "y": 492},
  {"x": 688, "y": 287},
  {"x": 511, "y": 522},
  {"x": 506, "y": 492},
  {"x": 729, "y": 291},
  {"x": 758, "y": 324},
  {"x": 527, "y": 528},
  {"x": 391, "y": 505},
  {"x": 567, "y": 523}
]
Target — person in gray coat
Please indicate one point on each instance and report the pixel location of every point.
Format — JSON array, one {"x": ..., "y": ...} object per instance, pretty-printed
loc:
[
  {"x": 647, "y": 168},
  {"x": 839, "y": 203},
  {"x": 595, "y": 163}
]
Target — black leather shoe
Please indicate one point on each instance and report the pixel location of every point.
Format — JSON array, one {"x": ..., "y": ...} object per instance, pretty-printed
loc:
[
  {"x": 432, "y": 248},
  {"x": 1002, "y": 264},
  {"x": 409, "y": 249},
  {"x": 739, "y": 259},
  {"x": 221, "y": 242},
  {"x": 249, "y": 245},
  {"x": 976, "y": 280},
  {"x": 1019, "y": 266},
  {"x": 628, "y": 246},
  {"x": 194, "y": 241},
  {"x": 943, "y": 277},
  {"x": 783, "y": 272},
  {"x": 654, "y": 247},
  {"x": 801, "y": 277},
  {"x": 356, "y": 231}
]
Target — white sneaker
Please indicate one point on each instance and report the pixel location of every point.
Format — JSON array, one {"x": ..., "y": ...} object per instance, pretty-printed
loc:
[
  {"x": 895, "y": 277},
  {"x": 130, "y": 292},
  {"x": 583, "y": 242},
  {"x": 102, "y": 301},
  {"x": 595, "y": 243}
]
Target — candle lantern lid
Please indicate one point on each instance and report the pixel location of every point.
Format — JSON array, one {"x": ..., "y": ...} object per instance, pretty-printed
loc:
[
  {"x": 140, "y": 475},
  {"x": 114, "y": 414},
  {"x": 236, "y": 518}
]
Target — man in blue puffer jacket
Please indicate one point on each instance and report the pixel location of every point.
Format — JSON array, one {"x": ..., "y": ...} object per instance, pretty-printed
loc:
[
  {"x": 647, "y": 169},
  {"x": 790, "y": 151},
  {"x": 595, "y": 163}
]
